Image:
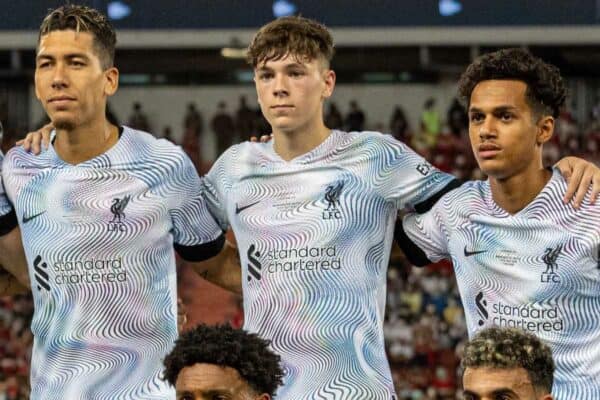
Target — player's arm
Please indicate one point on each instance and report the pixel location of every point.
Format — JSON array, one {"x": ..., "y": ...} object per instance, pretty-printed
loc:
[
  {"x": 423, "y": 237},
  {"x": 223, "y": 270},
  {"x": 198, "y": 238},
  {"x": 581, "y": 175},
  {"x": 14, "y": 277},
  {"x": 9, "y": 285},
  {"x": 405, "y": 178},
  {"x": 12, "y": 254}
]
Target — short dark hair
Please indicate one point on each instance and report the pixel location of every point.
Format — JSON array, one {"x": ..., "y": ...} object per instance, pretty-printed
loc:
[
  {"x": 83, "y": 19},
  {"x": 503, "y": 348},
  {"x": 227, "y": 347},
  {"x": 546, "y": 92},
  {"x": 297, "y": 36}
]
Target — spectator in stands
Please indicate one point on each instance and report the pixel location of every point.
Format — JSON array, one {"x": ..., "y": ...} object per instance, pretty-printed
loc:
[
  {"x": 507, "y": 363},
  {"x": 399, "y": 125},
  {"x": 333, "y": 118},
  {"x": 355, "y": 120},
  {"x": 210, "y": 362},
  {"x": 138, "y": 119},
  {"x": 193, "y": 126},
  {"x": 457, "y": 119},
  {"x": 193, "y": 123},
  {"x": 244, "y": 119},
  {"x": 168, "y": 134},
  {"x": 431, "y": 124},
  {"x": 223, "y": 126}
]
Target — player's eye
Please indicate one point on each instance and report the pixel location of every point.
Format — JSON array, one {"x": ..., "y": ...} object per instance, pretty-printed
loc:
[
  {"x": 265, "y": 76},
  {"x": 77, "y": 63},
  {"x": 296, "y": 74},
  {"x": 476, "y": 117},
  {"x": 506, "y": 117},
  {"x": 44, "y": 64}
]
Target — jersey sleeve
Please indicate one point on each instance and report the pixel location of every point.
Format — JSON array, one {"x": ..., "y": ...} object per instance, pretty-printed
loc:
[
  {"x": 216, "y": 185},
  {"x": 423, "y": 237},
  {"x": 406, "y": 178},
  {"x": 8, "y": 218},
  {"x": 196, "y": 234}
]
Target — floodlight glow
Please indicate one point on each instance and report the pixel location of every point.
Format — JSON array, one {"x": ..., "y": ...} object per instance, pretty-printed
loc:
[
  {"x": 118, "y": 10},
  {"x": 449, "y": 8},
  {"x": 283, "y": 8}
]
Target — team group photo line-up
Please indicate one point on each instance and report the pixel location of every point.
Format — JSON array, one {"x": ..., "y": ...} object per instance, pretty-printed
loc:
[{"x": 95, "y": 215}]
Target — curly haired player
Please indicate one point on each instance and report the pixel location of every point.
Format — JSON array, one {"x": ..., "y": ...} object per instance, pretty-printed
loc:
[
  {"x": 522, "y": 257},
  {"x": 210, "y": 362},
  {"x": 507, "y": 363}
]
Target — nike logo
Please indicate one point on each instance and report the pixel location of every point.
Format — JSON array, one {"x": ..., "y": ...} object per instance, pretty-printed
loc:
[
  {"x": 472, "y": 253},
  {"x": 239, "y": 209},
  {"x": 27, "y": 219}
]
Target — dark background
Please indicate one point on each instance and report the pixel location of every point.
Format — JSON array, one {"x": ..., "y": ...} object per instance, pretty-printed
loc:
[{"x": 200, "y": 14}]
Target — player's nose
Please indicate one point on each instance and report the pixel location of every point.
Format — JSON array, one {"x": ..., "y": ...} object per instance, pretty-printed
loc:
[
  {"x": 59, "y": 77},
  {"x": 487, "y": 129},
  {"x": 280, "y": 87}
]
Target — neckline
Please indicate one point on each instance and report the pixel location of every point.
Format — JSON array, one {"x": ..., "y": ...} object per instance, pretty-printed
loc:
[
  {"x": 303, "y": 158},
  {"x": 122, "y": 135},
  {"x": 501, "y": 212}
]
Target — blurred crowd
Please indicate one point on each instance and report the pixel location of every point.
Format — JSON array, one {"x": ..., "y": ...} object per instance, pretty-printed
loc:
[
  {"x": 424, "y": 327},
  {"x": 441, "y": 136},
  {"x": 15, "y": 347}
]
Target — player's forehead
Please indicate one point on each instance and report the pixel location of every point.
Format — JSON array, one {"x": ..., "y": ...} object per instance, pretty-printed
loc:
[
  {"x": 59, "y": 42},
  {"x": 202, "y": 377},
  {"x": 484, "y": 381},
  {"x": 491, "y": 94},
  {"x": 288, "y": 60}
]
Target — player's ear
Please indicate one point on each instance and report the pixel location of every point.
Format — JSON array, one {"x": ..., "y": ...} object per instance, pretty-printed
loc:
[
  {"x": 329, "y": 83},
  {"x": 545, "y": 129},
  {"x": 111, "y": 83}
]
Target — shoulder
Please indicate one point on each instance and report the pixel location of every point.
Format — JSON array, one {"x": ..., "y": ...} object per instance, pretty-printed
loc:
[
  {"x": 17, "y": 158},
  {"x": 588, "y": 213},
  {"x": 371, "y": 144},
  {"x": 467, "y": 196},
  {"x": 149, "y": 143},
  {"x": 243, "y": 156},
  {"x": 159, "y": 153},
  {"x": 371, "y": 138}
]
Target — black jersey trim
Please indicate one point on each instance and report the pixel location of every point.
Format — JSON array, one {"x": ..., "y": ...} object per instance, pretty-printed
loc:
[
  {"x": 426, "y": 205},
  {"x": 201, "y": 252},
  {"x": 415, "y": 255},
  {"x": 8, "y": 222}
]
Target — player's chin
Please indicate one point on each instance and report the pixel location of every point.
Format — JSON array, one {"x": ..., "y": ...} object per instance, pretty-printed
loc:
[
  {"x": 494, "y": 168},
  {"x": 284, "y": 125},
  {"x": 63, "y": 122}
]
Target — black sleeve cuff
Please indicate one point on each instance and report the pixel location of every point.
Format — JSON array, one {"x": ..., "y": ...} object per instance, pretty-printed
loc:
[
  {"x": 426, "y": 205},
  {"x": 8, "y": 222},
  {"x": 201, "y": 252},
  {"x": 415, "y": 255}
]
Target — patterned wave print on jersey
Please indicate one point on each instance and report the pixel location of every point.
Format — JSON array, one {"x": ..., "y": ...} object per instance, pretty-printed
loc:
[
  {"x": 314, "y": 236},
  {"x": 104, "y": 275},
  {"x": 5, "y": 206},
  {"x": 537, "y": 270}
]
